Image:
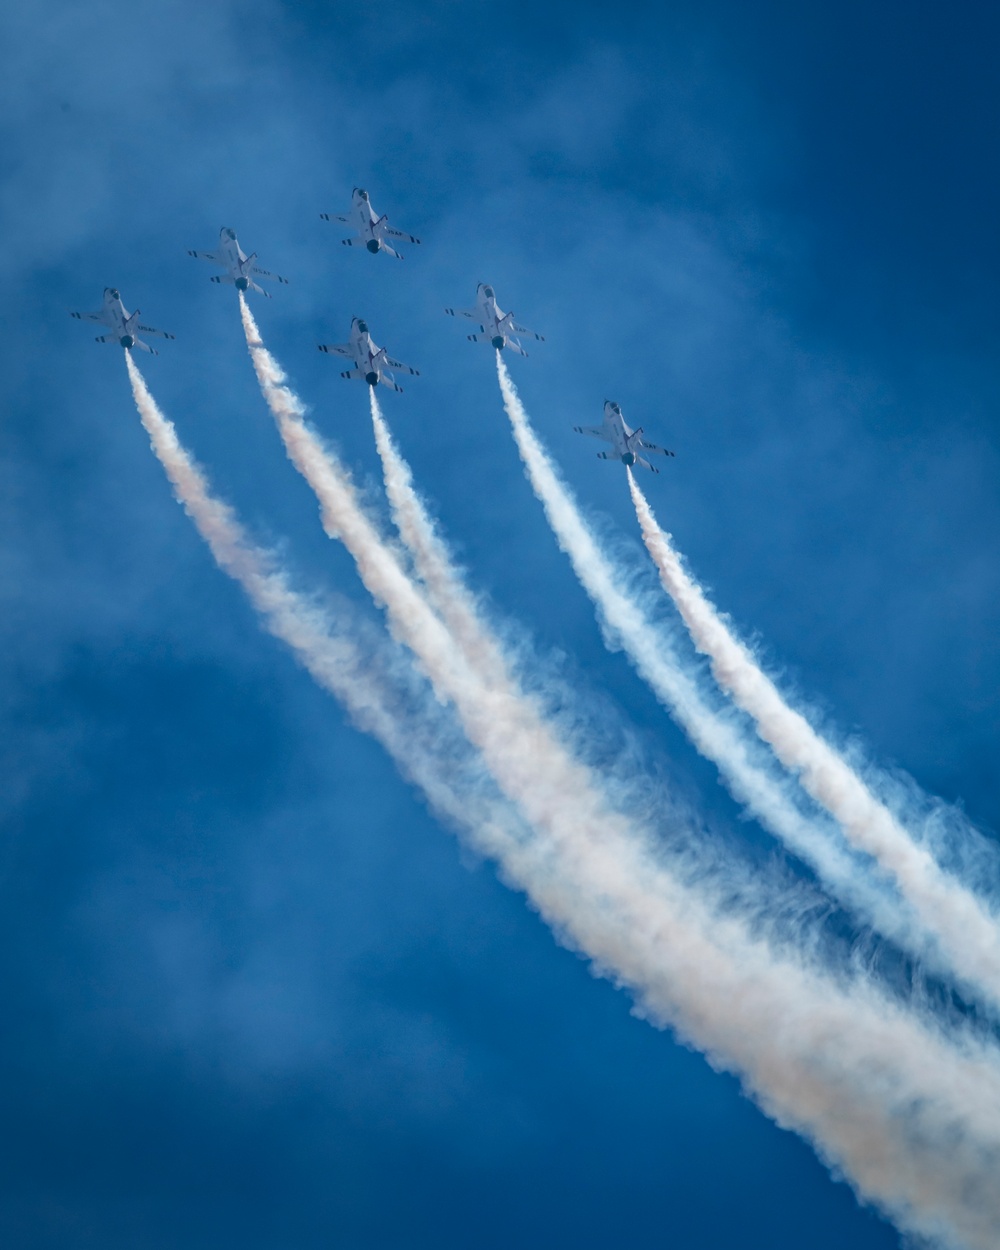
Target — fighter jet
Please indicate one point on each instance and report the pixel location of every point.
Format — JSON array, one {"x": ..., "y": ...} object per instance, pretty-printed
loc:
[
  {"x": 124, "y": 326},
  {"x": 372, "y": 363},
  {"x": 372, "y": 230},
  {"x": 240, "y": 268},
  {"x": 627, "y": 443},
  {"x": 495, "y": 325}
]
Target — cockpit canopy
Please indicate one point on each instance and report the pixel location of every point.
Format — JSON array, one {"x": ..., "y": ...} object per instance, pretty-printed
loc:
[
  {"x": 230, "y": 232},
  {"x": 488, "y": 292},
  {"x": 362, "y": 326},
  {"x": 362, "y": 192},
  {"x": 113, "y": 292}
]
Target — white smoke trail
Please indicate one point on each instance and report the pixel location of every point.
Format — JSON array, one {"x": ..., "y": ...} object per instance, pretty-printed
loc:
[
  {"x": 911, "y": 1116},
  {"x": 968, "y": 935},
  {"x": 357, "y": 671},
  {"x": 445, "y": 587},
  {"x": 714, "y": 736}
]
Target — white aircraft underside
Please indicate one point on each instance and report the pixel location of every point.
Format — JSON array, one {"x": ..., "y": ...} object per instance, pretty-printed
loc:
[
  {"x": 240, "y": 268},
  {"x": 124, "y": 326},
  {"x": 628, "y": 444},
  {"x": 495, "y": 326},
  {"x": 373, "y": 232},
  {"x": 372, "y": 364}
]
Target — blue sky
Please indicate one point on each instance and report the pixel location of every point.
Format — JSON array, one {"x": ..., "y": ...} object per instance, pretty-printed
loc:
[{"x": 254, "y": 994}]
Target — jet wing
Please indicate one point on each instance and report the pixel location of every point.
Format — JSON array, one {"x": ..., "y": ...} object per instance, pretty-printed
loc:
[
  {"x": 471, "y": 313},
  {"x": 264, "y": 273},
  {"x": 99, "y": 317},
  {"x": 214, "y": 258},
  {"x": 400, "y": 234},
  {"x": 152, "y": 330},
  {"x": 593, "y": 431},
  {"x": 656, "y": 450},
  {"x": 335, "y": 217},
  {"x": 524, "y": 330},
  {"x": 398, "y": 364},
  {"x": 338, "y": 349}
]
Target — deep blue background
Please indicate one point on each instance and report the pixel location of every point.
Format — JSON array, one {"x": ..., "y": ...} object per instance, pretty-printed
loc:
[{"x": 253, "y": 995}]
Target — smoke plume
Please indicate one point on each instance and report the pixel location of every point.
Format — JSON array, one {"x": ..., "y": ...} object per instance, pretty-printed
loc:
[
  {"x": 909, "y": 1114},
  {"x": 967, "y": 934}
]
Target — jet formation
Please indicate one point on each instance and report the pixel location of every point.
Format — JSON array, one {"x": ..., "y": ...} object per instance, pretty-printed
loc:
[{"x": 371, "y": 363}]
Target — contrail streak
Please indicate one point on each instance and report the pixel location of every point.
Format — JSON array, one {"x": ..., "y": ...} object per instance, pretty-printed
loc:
[
  {"x": 356, "y": 671},
  {"x": 715, "y": 737},
  {"x": 968, "y": 935},
  {"x": 912, "y": 1117},
  {"x": 433, "y": 564}
]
